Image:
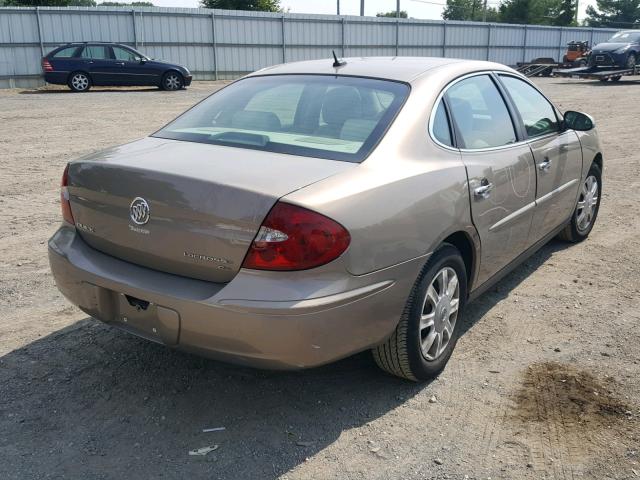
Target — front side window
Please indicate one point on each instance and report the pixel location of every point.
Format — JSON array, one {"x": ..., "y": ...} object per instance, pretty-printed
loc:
[
  {"x": 324, "y": 116},
  {"x": 480, "y": 114},
  {"x": 537, "y": 114},
  {"x": 65, "y": 52},
  {"x": 124, "y": 54},
  {"x": 96, "y": 52}
]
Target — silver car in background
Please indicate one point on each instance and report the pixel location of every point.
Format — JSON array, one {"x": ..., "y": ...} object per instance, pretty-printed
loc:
[{"x": 313, "y": 210}]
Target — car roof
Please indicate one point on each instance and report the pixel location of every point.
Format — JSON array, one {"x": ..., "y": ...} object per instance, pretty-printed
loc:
[{"x": 404, "y": 69}]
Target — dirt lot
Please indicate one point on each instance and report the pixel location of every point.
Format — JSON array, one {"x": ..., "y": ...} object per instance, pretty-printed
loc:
[{"x": 544, "y": 382}]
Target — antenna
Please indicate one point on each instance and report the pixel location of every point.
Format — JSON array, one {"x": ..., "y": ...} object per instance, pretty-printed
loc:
[{"x": 337, "y": 63}]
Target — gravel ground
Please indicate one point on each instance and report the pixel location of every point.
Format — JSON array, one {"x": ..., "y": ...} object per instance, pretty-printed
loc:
[{"x": 543, "y": 384}]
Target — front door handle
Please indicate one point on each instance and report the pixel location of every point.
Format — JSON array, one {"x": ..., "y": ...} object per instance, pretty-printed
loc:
[
  {"x": 484, "y": 190},
  {"x": 545, "y": 164},
  {"x": 120, "y": 63}
]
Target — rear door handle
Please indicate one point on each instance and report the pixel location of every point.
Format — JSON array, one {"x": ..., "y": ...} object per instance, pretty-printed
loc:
[
  {"x": 545, "y": 164},
  {"x": 484, "y": 190}
]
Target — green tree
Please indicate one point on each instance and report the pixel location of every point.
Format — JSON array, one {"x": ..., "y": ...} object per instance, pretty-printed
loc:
[
  {"x": 565, "y": 13},
  {"x": 403, "y": 14},
  {"x": 469, "y": 10},
  {"x": 51, "y": 3},
  {"x": 260, "y": 5},
  {"x": 123, "y": 4},
  {"x": 463, "y": 10},
  {"x": 614, "y": 13},
  {"x": 538, "y": 12}
]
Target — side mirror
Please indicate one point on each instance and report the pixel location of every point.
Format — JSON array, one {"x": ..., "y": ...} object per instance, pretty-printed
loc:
[
  {"x": 578, "y": 121},
  {"x": 142, "y": 60}
]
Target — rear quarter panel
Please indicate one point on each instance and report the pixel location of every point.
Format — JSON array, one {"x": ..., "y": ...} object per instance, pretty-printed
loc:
[{"x": 401, "y": 202}]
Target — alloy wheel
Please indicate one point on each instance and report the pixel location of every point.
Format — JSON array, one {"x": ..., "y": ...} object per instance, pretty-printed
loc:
[
  {"x": 80, "y": 82},
  {"x": 587, "y": 203},
  {"x": 439, "y": 313},
  {"x": 172, "y": 82}
]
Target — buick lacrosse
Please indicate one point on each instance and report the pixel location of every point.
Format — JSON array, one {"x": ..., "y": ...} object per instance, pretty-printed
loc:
[{"x": 313, "y": 210}]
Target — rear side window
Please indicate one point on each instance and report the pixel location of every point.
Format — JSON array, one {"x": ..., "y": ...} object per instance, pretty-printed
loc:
[
  {"x": 65, "y": 52},
  {"x": 480, "y": 114},
  {"x": 323, "y": 116},
  {"x": 440, "y": 128},
  {"x": 537, "y": 113},
  {"x": 96, "y": 52}
]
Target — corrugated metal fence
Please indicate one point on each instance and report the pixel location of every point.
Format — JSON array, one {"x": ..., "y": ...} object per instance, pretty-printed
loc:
[{"x": 223, "y": 44}]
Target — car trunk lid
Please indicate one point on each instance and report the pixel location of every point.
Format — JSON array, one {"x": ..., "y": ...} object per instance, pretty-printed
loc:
[{"x": 204, "y": 203}]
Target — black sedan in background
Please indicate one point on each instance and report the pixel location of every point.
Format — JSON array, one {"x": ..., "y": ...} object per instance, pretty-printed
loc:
[{"x": 81, "y": 65}]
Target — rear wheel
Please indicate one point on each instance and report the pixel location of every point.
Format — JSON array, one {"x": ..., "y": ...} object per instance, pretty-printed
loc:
[
  {"x": 586, "y": 211},
  {"x": 616, "y": 78},
  {"x": 603, "y": 80},
  {"x": 79, "y": 82},
  {"x": 172, "y": 81},
  {"x": 427, "y": 333}
]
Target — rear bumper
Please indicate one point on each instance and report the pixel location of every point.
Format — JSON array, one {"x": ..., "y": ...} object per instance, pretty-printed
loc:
[
  {"x": 57, "y": 78},
  {"x": 257, "y": 319}
]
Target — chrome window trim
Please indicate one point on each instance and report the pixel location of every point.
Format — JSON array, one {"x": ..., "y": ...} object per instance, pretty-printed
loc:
[
  {"x": 553, "y": 107},
  {"x": 466, "y": 150},
  {"x": 526, "y": 141}
]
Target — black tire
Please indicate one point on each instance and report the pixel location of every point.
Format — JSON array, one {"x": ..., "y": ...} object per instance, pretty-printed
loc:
[
  {"x": 172, "y": 81},
  {"x": 79, "y": 81},
  {"x": 631, "y": 61},
  {"x": 616, "y": 78},
  {"x": 604, "y": 80},
  {"x": 573, "y": 232},
  {"x": 401, "y": 354}
]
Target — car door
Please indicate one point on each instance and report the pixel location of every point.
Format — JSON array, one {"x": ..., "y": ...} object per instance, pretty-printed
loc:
[
  {"x": 134, "y": 69},
  {"x": 557, "y": 154},
  {"x": 500, "y": 170},
  {"x": 98, "y": 62}
]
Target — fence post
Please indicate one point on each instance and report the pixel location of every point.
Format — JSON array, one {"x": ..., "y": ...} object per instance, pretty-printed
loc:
[
  {"x": 344, "y": 41},
  {"x": 488, "y": 40},
  {"x": 39, "y": 31},
  {"x": 560, "y": 45},
  {"x": 524, "y": 47},
  {"x": 214, "y": 44},
  {"x": 135, "y": 34},
  {"x": 397, "y": 36},
  {"x": 284, "y": 44},
  {"x": 444, "y": 38},
  {"x": 591, "y": 39}
]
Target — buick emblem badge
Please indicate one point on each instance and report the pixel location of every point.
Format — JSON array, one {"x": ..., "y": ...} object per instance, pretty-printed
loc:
[{"x": 139, "y": 211}]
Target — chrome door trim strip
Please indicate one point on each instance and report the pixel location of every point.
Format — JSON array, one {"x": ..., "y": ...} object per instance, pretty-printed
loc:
[
  {"x": 512, "y": 216},
  {"x": 561, "y": 188}
]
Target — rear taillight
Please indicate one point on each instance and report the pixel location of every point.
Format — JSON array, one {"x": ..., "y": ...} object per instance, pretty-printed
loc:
[
  {"x": 294, "y": 238},
  {"x": 46, "y": 65},
  {"x": 64, "y": 197}
]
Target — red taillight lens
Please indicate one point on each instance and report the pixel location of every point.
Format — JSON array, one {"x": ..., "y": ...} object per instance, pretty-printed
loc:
[
  {"x": 294, "y": 238},
  {"x": 46, "y": 65},
  {"x": 64, "y": 197}
]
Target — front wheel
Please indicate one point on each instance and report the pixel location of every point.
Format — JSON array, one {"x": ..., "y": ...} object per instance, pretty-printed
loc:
[
  {"x": 79, "y": 82},
  {"x": 631, "y": 61},
  {"x": 427, "y": 332},
  {"x": 172, "y": 81},
  {"x": 586, "y": 211}
]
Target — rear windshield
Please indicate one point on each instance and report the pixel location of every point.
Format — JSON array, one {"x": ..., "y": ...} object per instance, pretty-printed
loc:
[
  {"x": 332, "y": 117},
  {"x": 625, "y": 37}
]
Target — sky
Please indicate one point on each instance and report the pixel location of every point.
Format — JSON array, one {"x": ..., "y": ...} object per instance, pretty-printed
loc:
[{"x": 429, "y": 9}]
